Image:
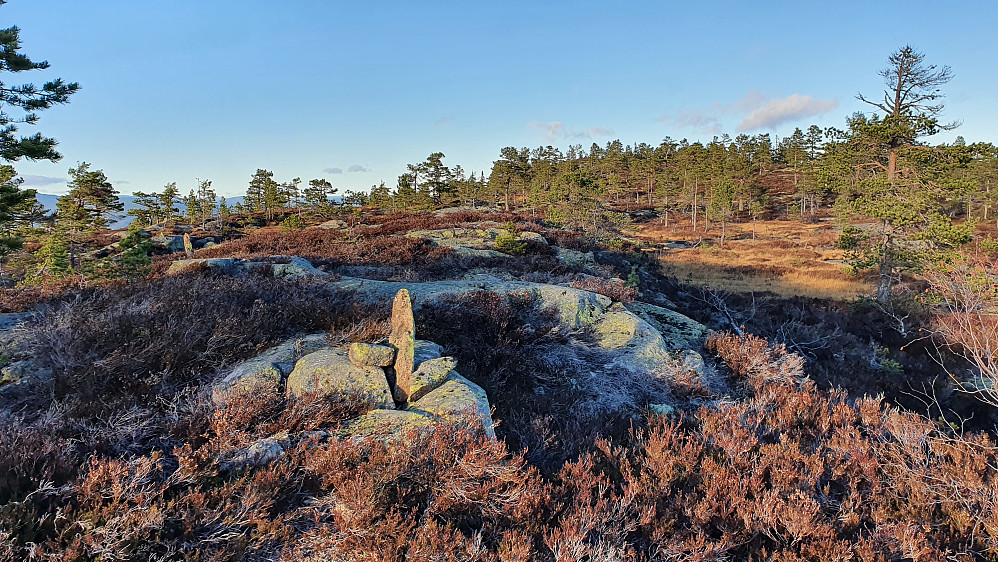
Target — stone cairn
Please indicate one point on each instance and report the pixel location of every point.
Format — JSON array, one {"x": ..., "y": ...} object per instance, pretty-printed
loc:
[
  {"x": 403, "y": 339},
  {"x": 407, "y": 383},
  {"x": 398, "y": 357}
]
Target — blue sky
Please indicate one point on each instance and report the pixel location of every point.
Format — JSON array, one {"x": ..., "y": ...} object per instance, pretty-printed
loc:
[{"x": 214, "y": 89}]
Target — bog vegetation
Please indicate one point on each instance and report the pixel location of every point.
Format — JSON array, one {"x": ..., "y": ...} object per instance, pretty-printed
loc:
[{"x": 854, "y": 428}]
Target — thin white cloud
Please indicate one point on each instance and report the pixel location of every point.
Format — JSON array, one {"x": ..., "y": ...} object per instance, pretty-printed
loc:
[
  {"x": 356, "y": 168},
  {"x": 41, "y": 180},
  {"x": 752, "y": 100},
  {"x": 552, "y": 131},
  {"x": 755, "y": 109},
  {"x": 333, "y": 171},
  {"x": 791, "y": 108},
  {"x": 694, "y": 119},
  {"x": 593, "y": 132}
]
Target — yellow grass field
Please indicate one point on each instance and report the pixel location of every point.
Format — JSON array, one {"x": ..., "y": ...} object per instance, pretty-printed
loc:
[{"x": 785, "y": 257}]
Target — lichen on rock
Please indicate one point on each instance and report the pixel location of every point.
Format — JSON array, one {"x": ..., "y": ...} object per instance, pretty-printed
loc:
[
  {"x": 430, "y": 375},
  {"x": 371, "y": 355},
  {"x": 456, "y": 399},
  {"x": 330, "y": 371},
  {"x": 268, "y": 368}
]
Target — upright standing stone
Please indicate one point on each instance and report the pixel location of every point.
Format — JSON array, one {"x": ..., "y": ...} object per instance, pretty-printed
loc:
[
  {"x": 403, "y": 339},
  {"x": 188, "y": 246}
]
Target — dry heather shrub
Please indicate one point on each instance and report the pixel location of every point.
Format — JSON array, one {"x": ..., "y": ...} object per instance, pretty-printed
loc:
[
  {"x": 966, "y": 323},
  {"x": 31, "y": 456},
  {"x": 445, "y": 495},
  {"x": 518, "y": 354},
  {"x": 569, "y": 239},
  {"x": 403, "y": 222},
  {"x": 787, "y": 473},
  {"x": 325, "y": 245},
  {"x": 170, "y": 332},
  {"x": 752, "y": 357},
  {"x": 21, "y": 299},
  {"x": 613, "y": 288}
]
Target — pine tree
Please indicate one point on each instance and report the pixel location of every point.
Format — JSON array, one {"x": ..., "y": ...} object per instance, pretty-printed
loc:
[
  {"x": 223, "y": 210},
  {"x": 18, "y": 207},
  {"x": 910, "y": 227},
  {"x": 264, "y": 194},
  {"x": 317, "y": 195},
  {"x": 134, "y": 260},
  {"x": 168, "y": 203},
  {"x": 52, "y": 259},
  {"x": 91, "y": 202},
  {"x": 206, "y": 201},
  {"x": 28, "y": 98},
  {"x": 148, "y": 211},
  {"x": 193, "y": 207}
]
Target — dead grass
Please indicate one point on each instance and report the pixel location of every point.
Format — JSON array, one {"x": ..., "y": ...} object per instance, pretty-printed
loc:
[{"x": 784, "y": 257}]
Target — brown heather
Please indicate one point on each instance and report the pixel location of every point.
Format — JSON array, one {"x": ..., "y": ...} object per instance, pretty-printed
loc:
[
  {"x": 128, "y": 460},
  {"x": 786, "y": 473}
]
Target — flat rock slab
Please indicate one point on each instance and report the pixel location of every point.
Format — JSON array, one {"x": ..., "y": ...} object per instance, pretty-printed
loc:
[
  {"x": 678, "y": 330},
  {"x": 456, "y": 398},
  {"x": 268, "y": 368},
  {"x": 576, "y": 308},
  {"x": 371, "y": 355},
  {"x": 168, "y": 242},
  {"x": 386, "y": 424},
  {"x": 259, "y": 453},
  {"x": 287, "y": 266},
  {"x": 424, "y": 351},
  {"x": 430, "y": 375},
  {"x": 330, "y": 371},
  {"x": 575, "y": 258}
]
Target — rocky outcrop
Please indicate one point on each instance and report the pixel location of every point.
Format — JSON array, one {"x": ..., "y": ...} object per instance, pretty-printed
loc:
[
  {"x": 434, "y": 391},
  {"x": 330, "y": 371},
  {"x": 334, "y": 224},
  {"x": 280, "y": 266},
  {"x": 635, "y": 325},
  {"x": 169, "y": 243},
  {"x": 576, "y": 308},
  {"x": 455, "y": 398},
  {"x": 575, "y": 258},
  {"x": 269, "y": 368},
  {"x": 386, "y": 424},
  {"x": 478, "y": 242},
  {"x": 372, "y": 355},
  {"x": 678, "y": 330},
  {"x": 634, "y": 351},
  {"x": 259, "y": 453},
  {"x": 430, "y": 375}
]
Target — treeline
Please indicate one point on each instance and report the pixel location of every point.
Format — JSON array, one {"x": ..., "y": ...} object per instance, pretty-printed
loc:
[{"x": 720, "y": 180}]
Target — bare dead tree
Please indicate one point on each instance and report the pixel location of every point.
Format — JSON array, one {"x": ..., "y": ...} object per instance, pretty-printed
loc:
[
  {"x": 912, "y": 102},
  {"x": 803, "y": 339},
  {"x": 718, "y": 301},
  {"x": 967, "y": 323}
]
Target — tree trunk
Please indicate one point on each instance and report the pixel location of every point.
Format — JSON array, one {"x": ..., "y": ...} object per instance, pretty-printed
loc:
[
  {"x": 695, "y": 190},
  {"x": 892, "y": 165},
  {"x": 884, "y": 282},
  {"x": 885, "y": 277}
]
